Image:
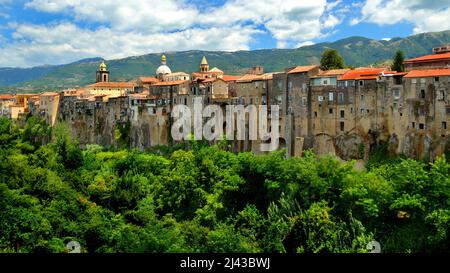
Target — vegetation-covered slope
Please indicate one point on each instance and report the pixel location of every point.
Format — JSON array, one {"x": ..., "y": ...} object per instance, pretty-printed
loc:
[{"x": 210, "y": 200}]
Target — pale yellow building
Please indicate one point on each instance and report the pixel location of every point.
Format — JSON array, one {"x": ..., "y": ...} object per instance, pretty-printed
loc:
[{"x": 48, "y": 106}]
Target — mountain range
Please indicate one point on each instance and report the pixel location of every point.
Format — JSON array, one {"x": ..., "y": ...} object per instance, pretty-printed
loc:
[{"x": 357, "y": 51}]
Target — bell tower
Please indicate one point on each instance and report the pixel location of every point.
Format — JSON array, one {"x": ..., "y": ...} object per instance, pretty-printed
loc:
[
  {"x": 204, "y": 66},
  {"x": 102, "y": 73}
]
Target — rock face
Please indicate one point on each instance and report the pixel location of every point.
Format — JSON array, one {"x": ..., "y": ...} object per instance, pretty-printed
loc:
[
  {"x": 94, "y": 122},
  {"x": 425, "y": 146},
  {"x": 102, "y": 122},
  {"x": 350, "y": 147},
  {"x": 393, "y": 144},
  {"x": 114, "y": 122}
]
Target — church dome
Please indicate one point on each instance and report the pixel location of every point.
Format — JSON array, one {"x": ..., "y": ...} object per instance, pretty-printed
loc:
[
  {"x": 102, "y": 66},
  {"x": 163, "y": 69}
]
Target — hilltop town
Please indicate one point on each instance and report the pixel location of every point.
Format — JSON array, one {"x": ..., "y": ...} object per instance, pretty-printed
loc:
[{"x": 344, "y": 112}]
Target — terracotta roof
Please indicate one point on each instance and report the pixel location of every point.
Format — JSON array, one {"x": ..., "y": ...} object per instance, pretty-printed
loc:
[
  {"x": 428, "y": 73},
  {"x": 49, "y": 94},
  {"x": 216, "y": 70},
  {"x": 431, "y": 57},
  {"x": 362, "y": 74},
  {"x": 170, "y": 83},
  {"x": 6, "y": 97},
  {"x": 198, "y": 74},
  {"x": 148, "y": 79},
  {"x": 330, "y": 73},
  {"x": 212, "y": 80},
  {"x": 302, "y": 69},
  {"x": 229, "y": 78},
  {"x": 113, "y": 84},
  {"x": 252, "y": 77}
]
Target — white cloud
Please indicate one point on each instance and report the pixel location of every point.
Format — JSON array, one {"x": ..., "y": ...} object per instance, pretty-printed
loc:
[
  {"x": 423, "y": 14},
  {"x": 163, "y": 15},
  {"x": 289, "y": 21},
  {"x": 331, "y": 21},
  {"x": 307, "y": 43},
  {"x": 65, "y": 42},
  {"x": 133, "y": 27}
]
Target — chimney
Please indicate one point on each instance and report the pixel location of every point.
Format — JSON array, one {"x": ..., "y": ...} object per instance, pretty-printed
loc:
[{"x": 256, "y": 70}]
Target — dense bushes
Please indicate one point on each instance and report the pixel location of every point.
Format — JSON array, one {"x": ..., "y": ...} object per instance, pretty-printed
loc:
[{"x": 210, "y": 200}]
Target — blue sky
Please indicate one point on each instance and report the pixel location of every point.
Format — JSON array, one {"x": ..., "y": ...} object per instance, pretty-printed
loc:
[{"x": 38, "y": 32}]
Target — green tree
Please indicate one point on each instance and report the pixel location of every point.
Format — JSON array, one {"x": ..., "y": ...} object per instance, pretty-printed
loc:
[
  {"x": 399, "y": 58},
  {"x": 331, "y": 59}
]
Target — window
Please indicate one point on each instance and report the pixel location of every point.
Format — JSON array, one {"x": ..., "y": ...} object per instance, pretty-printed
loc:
[
  {"x": 341, "y": 97},
  {"x": 342, "y": 114},
  {"x": 330, "y": 96},
  {"x": 422, "y": 94},
  {"x": 441, "y": 94},
  {"x": 325, "y": 82},
  {"x": 423, "y": 80},
  {"x": 320, "y": 98},
  {"x": 362, "y": 97},
  {"x": 304, "y": 101},
  {"x": 396, "y": 94},
  {"x": 444, "y": 125},
  {"x": 330, "y": 110},
  {"x": 436, "y": 79},
  {"x": 290, "y": 87},
  {"x": 421, "y": 126},
  {"x": 414, "y": 125},
  {"x": 257, "y": 100},
  {"x": 361, "y": 83},
  {"x": 304, "y": 87},
  {"x": 315, "y": 114},
  {"x": 342, "y": 126},
  {"x": 279, "y": 99},
  {"x": 414, "y": 81}
]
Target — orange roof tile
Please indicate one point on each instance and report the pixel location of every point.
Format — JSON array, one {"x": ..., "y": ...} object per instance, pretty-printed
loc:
[
  {"x": 229, "y": 78},
  {"x": 6, "y": 97},
  {"x": 148, "y": 79},
  {"x": 362, "y": 74},
  {"x": 113, "y": 84},
  {"x": 212, "y": 80},
  {"x": 432, "y": 57},
  {"x": 49, "y": 94},
  {"x": 252, "y": 77},
  {"x": 331, "y": 73},
  {"x": 302, "y": 69},
  {"x": 428, "y": 73},
  {"x": 169, "y": 83}
]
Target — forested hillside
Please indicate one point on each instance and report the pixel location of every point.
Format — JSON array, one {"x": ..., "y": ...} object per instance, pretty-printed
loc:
[
  {"x": 209, "y": 200},
  {"x": 357, "y": 51}
]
